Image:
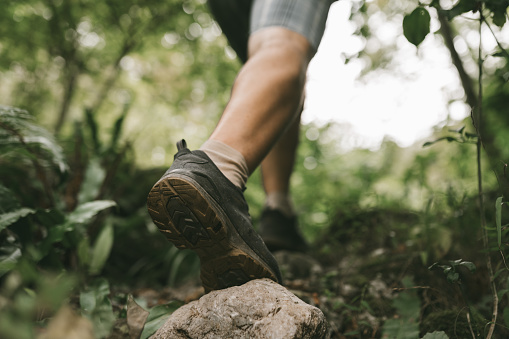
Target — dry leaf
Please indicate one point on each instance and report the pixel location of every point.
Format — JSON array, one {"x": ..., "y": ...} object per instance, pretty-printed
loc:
[{"x": 136, "y": 318}]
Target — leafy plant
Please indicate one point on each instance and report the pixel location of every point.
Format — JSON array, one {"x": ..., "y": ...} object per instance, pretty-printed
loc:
[
  {"x": 157, "y": 317},
  {"x": 96, "y": 305},
  {"x": 39, "y": 239},
  {"x": 459, "y": 136},
  {"x": 405, "y": 324},
  {"x": 72, "y": 231},
  {"x": 451, "y": 271},
  {"x": 416, "y": 25},
  {"x": 142, "y": 323},
  {"x": 489, "y": 12}
]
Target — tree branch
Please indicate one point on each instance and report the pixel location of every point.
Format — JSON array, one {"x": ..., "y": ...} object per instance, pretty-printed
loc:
[{"x": 466, "y": 80}]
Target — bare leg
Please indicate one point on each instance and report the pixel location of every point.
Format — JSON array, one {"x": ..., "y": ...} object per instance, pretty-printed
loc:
[
  {"x": 277, "y": 167},
  {"x": 278, "y": 221},
  {"x": 215, "y": 222},
  {"x": 266, "y": 94}
]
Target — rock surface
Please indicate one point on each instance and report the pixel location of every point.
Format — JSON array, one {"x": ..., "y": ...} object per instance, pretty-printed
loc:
[{"x": 258, "y": 309}]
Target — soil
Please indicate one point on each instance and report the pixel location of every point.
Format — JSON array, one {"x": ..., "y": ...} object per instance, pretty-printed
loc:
[{"x": 369, "y": 283}]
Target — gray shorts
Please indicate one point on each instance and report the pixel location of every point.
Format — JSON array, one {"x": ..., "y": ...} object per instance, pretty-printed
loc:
[{"x": 239, "y": 18}]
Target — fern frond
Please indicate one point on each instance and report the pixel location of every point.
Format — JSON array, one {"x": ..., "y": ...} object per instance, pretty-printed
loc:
[{"x": 19, "y": 130}]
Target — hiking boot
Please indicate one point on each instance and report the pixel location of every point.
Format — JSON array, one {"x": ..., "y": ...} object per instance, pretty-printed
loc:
[
  {"x": 280, "y": 232},
  {"x": 196, "y": 207}
]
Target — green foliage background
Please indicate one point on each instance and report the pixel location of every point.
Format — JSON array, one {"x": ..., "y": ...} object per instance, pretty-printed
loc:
[{"x": 104, "y": 89}]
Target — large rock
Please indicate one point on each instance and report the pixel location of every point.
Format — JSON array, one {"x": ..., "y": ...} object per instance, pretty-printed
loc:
[{"x": 258, "y": 309}]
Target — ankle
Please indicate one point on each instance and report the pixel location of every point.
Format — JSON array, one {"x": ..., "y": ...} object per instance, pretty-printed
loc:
[
  {"x": 229, "y": 161},
  {"x": 280, "y": 201}
]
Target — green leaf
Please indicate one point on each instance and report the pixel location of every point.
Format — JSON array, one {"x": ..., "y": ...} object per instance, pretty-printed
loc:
[
  {"x": 506, "y": 316},
  {"x": 365, "y": 305},
  {"x": 102, "y": 248},
  {"x": 470, "y": 135},
  {"x": 87, "y": 301},
  {"x": 117, "y": 127},
  {"x": 453, "y": 277},
  {"x": 10, "y": 218},
  {"x": 50, "y": 217},
  {"x": 502, "y": 53},
  {"x": 8, "y": 261},
  {"x": 157, "y": 317},
  {"x": 436, "y": 335},
  {"x": 434, "y": 266},
  {"x": 470, "y": 265},
  {"x": 428, "y": 143},
  {"x": 350, "y": 307},
  {"x": 92, "y": 124},
  {"x": 408, "y": 305},
  {"x": 498, "y": 272},
  {"x": 83, "y": 251},
  {"x": 416, "y": 25},
  {"x": 57, "y": 226},
  {"x": 449, "y": 139},
  {"x": 21, "y": 130},
  {"x": 8, "y": 201},
  {"x": 176, "y": 265},
  {"x": 499, "y": 18},
  {"x": 501, "y": 293},
  {"x": 455, "y": 262},
  {"x": 55, "y": 235},
  {"x": 96, "y": 306},
  {"x": 85, "y": 212},
  {"x": 94, "y": 177},
  {"x": 498, "y": 218},
  {"x": 461, "y": 7},
  {"x": 400, "y": 329},
  {"x": 53, "y": 291}
]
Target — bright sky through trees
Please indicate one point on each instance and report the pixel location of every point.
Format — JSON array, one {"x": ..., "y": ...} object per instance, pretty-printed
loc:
[{"x": 402, "y": 103}]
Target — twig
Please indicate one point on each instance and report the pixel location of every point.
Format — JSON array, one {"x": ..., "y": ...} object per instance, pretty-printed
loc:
[
  {"x": 477, "y": 123},
  {"x": 456, "y": 322},
  {"x": 466, "y": 81},
  {"x": 398, "y": 289},
  {"x": 468, "y": 320},
  {"x": 470, "y": 325},
  {"x": 503, "y": 258},
  {"x": 502, "y": 49}
]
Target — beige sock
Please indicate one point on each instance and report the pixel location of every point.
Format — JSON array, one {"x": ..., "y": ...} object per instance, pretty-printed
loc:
[
  {"x": 229, "y": 161},
  {"x": 280, "y": 201}
]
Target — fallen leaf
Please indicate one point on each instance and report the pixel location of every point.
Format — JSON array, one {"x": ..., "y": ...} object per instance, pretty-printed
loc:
[{"x": 136, "y": 318}]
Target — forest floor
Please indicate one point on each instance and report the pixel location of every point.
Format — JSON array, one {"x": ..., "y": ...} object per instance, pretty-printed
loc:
[{"x": 369, "y": 283}]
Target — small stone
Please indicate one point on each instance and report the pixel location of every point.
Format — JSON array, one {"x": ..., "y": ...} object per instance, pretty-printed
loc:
[{"x": 258, "y": 309}]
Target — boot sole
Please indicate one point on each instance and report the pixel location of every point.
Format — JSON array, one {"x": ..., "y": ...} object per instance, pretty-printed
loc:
[{"x": 190, "y": 218}]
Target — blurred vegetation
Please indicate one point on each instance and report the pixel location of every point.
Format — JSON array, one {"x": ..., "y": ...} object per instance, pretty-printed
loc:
[{"x": 103, "y": 90}]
